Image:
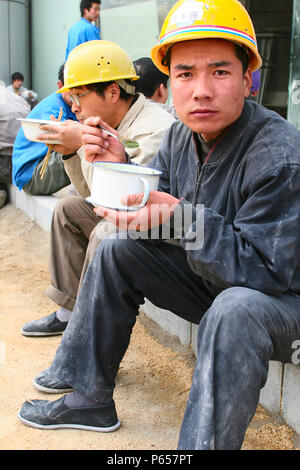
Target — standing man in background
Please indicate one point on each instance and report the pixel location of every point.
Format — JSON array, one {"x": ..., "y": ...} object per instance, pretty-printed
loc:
[{"x": 84, "y": 30}]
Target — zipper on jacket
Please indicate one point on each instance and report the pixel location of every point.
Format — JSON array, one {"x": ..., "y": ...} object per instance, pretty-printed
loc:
[
  {"x": 199, "y": 171},
  {"x": 200, "y": 166},
  {"x": 198, "y": 181}
]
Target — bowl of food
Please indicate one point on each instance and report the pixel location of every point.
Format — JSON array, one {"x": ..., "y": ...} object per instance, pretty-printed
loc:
[{"x": 32, "y": 129}]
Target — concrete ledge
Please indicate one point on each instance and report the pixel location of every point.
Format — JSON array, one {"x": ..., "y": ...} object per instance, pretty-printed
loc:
[
  {"x": 38, "y": 208},
  {"x": 171, "y": 323},
  {"x": 280, "y": 395},
  {"x": 270, "y": 396},
  {"x": 291, "y": 396}
]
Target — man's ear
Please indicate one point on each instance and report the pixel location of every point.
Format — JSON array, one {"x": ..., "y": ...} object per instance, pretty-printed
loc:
[
  {"x": 160, "y": 90},
  {"x": 113, "y": 91},
  {"x": 59, "y": 85},
  {"x": 247, "y": 82}
]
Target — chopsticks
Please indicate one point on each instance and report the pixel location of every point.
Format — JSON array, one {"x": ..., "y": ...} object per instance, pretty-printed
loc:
[{"x": 50, "y": 149}]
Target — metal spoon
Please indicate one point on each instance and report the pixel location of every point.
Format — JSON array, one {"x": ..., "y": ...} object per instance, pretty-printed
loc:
[{"x": 126, "y": 143}]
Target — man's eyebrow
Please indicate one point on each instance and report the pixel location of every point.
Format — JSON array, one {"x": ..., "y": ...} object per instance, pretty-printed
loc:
[
  {"x": 183, "y": 67},
  {"x": 221, "y": 63}
]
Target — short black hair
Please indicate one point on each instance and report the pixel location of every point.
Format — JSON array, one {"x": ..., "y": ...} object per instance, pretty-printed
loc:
[
  {"x": 240, "y": 51},
  {"x": 243, "y": 57},
  {"x": 150, "y": 77},
  {"x": 60, "y": 74},
  {"x": 86, "y": 4},
  {"x": 17, "y": 76},
  {"x": 100, "y": 87}
]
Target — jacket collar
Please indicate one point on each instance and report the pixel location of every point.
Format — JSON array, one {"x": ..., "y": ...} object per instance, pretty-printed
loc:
[{"x": 132, "y": 113}]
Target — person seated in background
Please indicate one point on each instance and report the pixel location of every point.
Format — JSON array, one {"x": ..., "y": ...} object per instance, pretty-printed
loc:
[
  {"x": 84, "y": 30},
  {"x": 256, "y": 83},
  {"x": 153, "y": 83},
  {"x": 17, "y": 87},
  {"x": 28, "y": 156},
  {"x": 12, "y": 106},
  {"x": 76, "y": 230}
]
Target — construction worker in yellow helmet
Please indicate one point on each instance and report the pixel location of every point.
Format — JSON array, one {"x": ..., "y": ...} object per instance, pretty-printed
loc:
[
  {"x": 228, "y": 205},
  {"x": 99, "y": 78}
]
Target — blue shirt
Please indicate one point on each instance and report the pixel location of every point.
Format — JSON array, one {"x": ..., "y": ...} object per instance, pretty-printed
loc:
[
  {"x": 82, "y": 31},
  {"x": 27, "y": 154}
]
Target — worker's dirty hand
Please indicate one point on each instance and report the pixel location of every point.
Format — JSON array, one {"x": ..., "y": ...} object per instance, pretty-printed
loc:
[
  {"x": 99, "y": 145},
  {"x": 157, "y": 211}
]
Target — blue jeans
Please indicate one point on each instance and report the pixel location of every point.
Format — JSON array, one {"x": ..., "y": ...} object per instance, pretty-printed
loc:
[{"x": 240, "y": 330}]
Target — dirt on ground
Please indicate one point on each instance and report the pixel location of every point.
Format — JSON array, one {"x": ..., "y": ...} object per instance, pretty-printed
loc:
[{"x": 152, "y": 384}]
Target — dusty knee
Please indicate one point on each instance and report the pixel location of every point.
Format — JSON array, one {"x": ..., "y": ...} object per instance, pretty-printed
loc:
[
  {"x": 118, "y": 253},
  {"x": 238, "y": 306},
  {"x": 102, "y": 230},
  {"x": 66, "y": 206}
]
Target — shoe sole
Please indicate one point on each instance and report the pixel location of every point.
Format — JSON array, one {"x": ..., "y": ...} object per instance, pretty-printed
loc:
[
  {"x": 40, "y": 388},
  {"x": 40, "y": 333},
  {"x": 69, "y": 426}
]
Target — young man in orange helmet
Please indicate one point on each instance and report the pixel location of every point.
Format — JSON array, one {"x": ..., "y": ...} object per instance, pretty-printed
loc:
[{"x": 232, "y": 167}]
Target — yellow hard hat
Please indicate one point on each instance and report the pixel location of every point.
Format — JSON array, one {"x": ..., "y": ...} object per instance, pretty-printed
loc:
[
  {"x": 205, "y": 19},
  {"x": 98, "y": 61}
]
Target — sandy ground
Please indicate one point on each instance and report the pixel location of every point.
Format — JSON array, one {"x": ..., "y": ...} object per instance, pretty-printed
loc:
[{"x": 152, "y": 385}]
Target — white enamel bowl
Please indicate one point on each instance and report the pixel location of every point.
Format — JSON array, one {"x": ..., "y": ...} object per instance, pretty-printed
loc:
[{"x": 31, "y": 128}]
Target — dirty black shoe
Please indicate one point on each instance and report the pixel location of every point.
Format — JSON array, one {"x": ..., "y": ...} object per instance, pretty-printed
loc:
[
  {"x": 47, "y": 326},
  {"x": 43, "y": 414},
  {"x": 45, "y": 382}
]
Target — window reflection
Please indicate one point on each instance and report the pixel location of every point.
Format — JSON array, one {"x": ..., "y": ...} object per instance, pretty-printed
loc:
[
  {"x": 107, "y": 4},
  {"x": 163, "y": 6}
]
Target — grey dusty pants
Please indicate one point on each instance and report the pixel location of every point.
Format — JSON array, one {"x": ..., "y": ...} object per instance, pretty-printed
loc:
[
  {"x": 240, "y": 330},
  {"x": 76, "y": 232}
]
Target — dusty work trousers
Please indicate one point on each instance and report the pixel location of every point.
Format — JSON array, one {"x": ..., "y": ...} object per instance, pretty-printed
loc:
[
  {"x": 240, "y": 330},
  {"x": 76, "y": 232},
  {"x": 54, "y": 179}
]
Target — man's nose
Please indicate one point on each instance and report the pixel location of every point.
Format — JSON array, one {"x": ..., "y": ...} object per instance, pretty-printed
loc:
[
  {"x": 203, "y": 88},
  {"x": 75, "y": 108}
]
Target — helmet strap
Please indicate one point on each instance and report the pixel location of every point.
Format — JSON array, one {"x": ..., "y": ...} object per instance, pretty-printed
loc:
[{"x": 130, "y": 89}]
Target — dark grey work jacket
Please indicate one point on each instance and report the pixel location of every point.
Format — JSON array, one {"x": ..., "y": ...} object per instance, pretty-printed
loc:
[{"x": 250, "y": 189}]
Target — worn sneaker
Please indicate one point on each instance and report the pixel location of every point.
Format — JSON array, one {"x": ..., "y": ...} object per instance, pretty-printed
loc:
[
  {"x": 47, "y": 326},
  {"x": 43, "y": 414},
  {"x": 45, "y": 382}
]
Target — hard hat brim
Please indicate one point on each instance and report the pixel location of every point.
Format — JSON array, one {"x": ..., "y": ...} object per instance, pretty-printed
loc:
[
  {"x": 84, "y": 83},
  {"x": 158, "y": 51}
]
